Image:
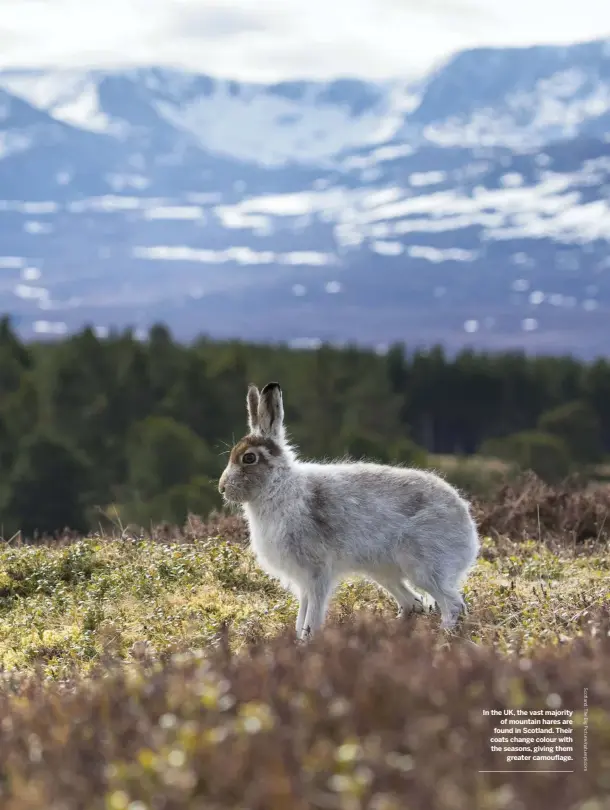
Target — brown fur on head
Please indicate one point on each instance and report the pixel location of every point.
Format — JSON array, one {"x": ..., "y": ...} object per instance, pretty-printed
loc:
[{"x": 256, "y": 455}]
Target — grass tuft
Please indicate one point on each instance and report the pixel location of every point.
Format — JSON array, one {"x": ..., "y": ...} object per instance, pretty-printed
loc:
[{"x": 162, "y": 672}]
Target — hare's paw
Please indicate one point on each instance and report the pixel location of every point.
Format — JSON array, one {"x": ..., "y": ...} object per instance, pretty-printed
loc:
[
  {"x": 430, "y": 605},
  {"x": 416, "y": 606},
  {"x": 304, "y": 635},
  {"x": 420, "y": 604}
]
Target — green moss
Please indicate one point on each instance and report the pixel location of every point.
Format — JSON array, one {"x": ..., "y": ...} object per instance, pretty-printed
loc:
[{"x": 66, "y": 607}]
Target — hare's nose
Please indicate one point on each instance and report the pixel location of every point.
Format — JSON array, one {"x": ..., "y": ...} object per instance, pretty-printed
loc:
[{"x": 221, "y": 484}]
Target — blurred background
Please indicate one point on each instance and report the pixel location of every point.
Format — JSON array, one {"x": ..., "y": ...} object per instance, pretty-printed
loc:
[
  {"x": 376, "y": 171},
  {"x": 357, "y": 174}
]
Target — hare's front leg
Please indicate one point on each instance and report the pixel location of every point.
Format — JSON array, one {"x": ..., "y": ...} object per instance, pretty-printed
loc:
[
  {"x": 318, "y": 595},
  {"x": 303, "y": 603}
]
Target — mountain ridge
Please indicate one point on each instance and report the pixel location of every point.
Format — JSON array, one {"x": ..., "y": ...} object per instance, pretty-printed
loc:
[{"x": 476, "y": 196}]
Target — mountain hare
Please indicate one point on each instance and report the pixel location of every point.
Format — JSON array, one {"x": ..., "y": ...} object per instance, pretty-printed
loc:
[{"x": 312, "y": 524}]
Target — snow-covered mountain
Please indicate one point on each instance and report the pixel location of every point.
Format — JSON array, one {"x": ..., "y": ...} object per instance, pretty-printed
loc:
[
  {"x": 516, "y": 97},
  {"x": 471, "y": 207}
]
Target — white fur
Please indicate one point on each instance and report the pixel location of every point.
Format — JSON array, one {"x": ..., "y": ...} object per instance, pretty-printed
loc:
[{"x": 313, "y": 524}]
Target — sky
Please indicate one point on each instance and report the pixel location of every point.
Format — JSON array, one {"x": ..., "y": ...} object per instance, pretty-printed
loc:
[{"x": 268, "y": 40}]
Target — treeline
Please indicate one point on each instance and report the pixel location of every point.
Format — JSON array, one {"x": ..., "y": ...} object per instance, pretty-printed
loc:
[{"x": 131, "y": 431}]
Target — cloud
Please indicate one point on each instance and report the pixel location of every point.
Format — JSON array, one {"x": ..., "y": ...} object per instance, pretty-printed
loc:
[
  {"x": 221, "y": 20},
  {"x": 273, "y": 39},
  {"x": 456, "y": 9}
]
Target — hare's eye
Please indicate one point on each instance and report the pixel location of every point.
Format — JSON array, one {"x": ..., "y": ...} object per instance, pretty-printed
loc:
[{"x": 249, "y": 458}]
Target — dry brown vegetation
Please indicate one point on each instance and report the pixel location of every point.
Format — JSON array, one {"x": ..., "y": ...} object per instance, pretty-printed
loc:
[
  {"x": 161, "y": 674},
  {"x": 529, "y": 508},
  {"x": 372, "y": 716}
]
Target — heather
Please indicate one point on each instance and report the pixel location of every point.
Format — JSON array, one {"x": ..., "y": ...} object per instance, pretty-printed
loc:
[{"x": 159, "y": 670}]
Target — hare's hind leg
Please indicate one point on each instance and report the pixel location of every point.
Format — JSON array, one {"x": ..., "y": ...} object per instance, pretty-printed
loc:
[
  {"x": 394, "y": 584},
  {"x": 448, "y": 598},
  {"x": 438, "y": 569},
  {"x": 452, "y": 605}
]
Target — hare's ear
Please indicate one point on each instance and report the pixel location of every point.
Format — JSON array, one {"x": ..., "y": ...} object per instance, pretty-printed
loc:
[
  {"x": 252, "y": 402},
  {"x": 271, "y": 412}
]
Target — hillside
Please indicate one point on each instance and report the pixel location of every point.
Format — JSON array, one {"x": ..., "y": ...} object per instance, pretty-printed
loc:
[
  {"x": 160, "y": 672},
  {"x": 468, "y": 208}
]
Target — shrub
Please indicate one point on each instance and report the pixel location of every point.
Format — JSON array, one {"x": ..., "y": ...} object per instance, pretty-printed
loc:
[
  {"x": 369, "y": 716},
  {"x": 577, "y": 424},
  {"x": 543, "y": 454},
  {"x": 47, "y": 488}
]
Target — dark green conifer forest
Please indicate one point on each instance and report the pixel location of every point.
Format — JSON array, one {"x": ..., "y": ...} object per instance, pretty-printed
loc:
[{"x": 137, "y": 431}]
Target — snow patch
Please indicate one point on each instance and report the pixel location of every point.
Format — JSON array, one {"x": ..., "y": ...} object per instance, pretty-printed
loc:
[
  {"x": 239, "y": 255},
  {"x": 387, "y": 248},
  {"x": 50, "y": 328},
  {"x": 436, "y": 255},
  {"x": 418, "y": 179},
  {"x": 189, "y": 212}
]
